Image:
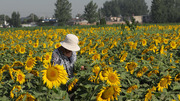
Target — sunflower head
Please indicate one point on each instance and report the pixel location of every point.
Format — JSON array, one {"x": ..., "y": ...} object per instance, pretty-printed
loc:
[
  {"x": 17, "y": 64},
  {"x": 131, "y": 66},
  {"x": 108, "y": 93},
  {"x": 47, "y": 57},
  {"x": 103, "y": 75},
  {"x": 164, "y": 82},
  {"x": 54, "y": 75},
  {"x": 177, "y": 78},
  {"x": 20, "y": 77},
  {"x": 113, "y": 78},
  {"x": 22, "y": 50},
  {"x": 28, "y": 97},
  {"x": 30, "y": 63},
  {"x": 96, "y": 69},
  {"x": 57, "y": 45},
  {"x": 35, "y": 73}
]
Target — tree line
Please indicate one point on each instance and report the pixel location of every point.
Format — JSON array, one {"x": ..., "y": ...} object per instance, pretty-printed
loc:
[{"x": 162, "y": 11}]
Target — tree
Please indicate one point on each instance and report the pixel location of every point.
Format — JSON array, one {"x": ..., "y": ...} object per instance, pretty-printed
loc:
[
  {"x": 90, "y": 12},
  {"x": 125, "y": 8},
  {"x": 63, "y": 11},
  {"x": 4, "y": 18},
  {"x": 15, "y": 19},
  {"x": 163, "y": 11},
  {"x": 32, "y": 18}
]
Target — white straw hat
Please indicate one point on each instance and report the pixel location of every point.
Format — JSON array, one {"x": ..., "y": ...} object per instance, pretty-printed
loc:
[{"x": 71, "y": 42}]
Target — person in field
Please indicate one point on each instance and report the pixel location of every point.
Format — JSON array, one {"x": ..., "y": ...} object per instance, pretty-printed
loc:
[{"x": 66, "y": 55}]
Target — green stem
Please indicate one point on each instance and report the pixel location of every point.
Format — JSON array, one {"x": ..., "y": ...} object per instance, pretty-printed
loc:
[{"x": 94, "y": 92}]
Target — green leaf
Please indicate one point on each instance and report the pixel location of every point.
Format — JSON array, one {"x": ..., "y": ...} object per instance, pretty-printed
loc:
[
  {"x": 4, "y": 98},
  {"x": 154, "y": 98},
  {"x": 176, "y": 87},
  {"x": 87, "y": 86}
]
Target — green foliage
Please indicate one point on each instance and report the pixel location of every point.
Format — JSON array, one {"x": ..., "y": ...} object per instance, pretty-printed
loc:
[
  {"x": 124, "y": 8},
  {"x": 90, "y": 12},
  {"x": 103, "y": 21},
  {"x": 163, "y": 11},
  {"x": 4, "y": 18},
  {"x": 63, "y": 11},
  {"x": 132, "y": 25}
]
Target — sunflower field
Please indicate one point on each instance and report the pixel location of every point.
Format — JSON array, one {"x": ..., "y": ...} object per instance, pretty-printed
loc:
[{"x": 121, "y": 64}]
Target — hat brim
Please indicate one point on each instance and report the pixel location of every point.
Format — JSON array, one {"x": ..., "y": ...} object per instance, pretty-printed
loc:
[{"x": 71, "y": 47}]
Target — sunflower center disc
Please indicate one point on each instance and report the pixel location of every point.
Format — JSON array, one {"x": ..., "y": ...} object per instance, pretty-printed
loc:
[
  {"x": 108, "y": 93},
  {"x": 52, "y": 74},
  {"x": 112, "y": 78}
]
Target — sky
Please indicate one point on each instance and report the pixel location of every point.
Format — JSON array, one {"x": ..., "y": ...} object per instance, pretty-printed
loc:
[{"x": 44, "y": 8}]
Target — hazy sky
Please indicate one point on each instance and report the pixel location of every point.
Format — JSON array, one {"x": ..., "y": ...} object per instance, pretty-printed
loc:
[{"x": 43, "y": 7}]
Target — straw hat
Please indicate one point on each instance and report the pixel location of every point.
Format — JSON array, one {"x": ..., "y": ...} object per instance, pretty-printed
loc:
[{"x": 70, "y": 42}]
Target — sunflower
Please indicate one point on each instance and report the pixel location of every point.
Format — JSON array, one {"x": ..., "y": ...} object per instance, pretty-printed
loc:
[
  {"x": 30, "y": 62},
  {"x": 152, "y": 72},
  {"x": 1, "y": 74},
  {"x": 131, "y": 45},
  {"x": 17, "y": 48},
  {"x": 142, "y": 71},
  {"x": 5, "y": 67},
  {"x": 96, "y": 69},
  {"x": 166, "y": 41},
  {"x": 57, "y": 45},
  {"x": 101, "y": 45},
  {"x": 151, "y": 58},
  {"x": 108, "y": 93},
  {"x": 104, "y": 57},
  {"x": 96, "y": 57},
  {"x": 38, "y": 58},
  {"x": 47, "y": 57},
  {"x": 35, "y": 73},
  {"x": 144, "y": 42},
  {"x": 162, "y": 50},
  {"x": 94, "y": 79},
  {"x": 20, "y": 77},
  {"x": 177, "y": 78},
  {"x": 17, "y": 90},
  {"x": 30, "y": 41},
  {"x": 44, "y": 45},
  {"x": 104, "y": 51},
  {"x": 164, "y": 82},
  {"x": 35, "y": 45},
  {"x": 83, "y": 50},
  {"x": 129, "y": 90},
  {"x": 17, "y": 64},
  {"x": 113, "y": 78},
  {"x": 135, "y": 45},
  {"x": 11, "y": 73},
  {"x": 71, "y": 85},
  {"x": 54, "y": 75},
  {"x": 30, "y": 53},
  {"x": 148, "y": 96},
  {"x": 81, "y": 43},
  {"x": 152, "y": 48},
  {"x": 124, "y": 55},
  {"x": 103, "y": 75},
  {"x": 131, "y": 66},
  {"x": 145, "y": 51},
  {"x": 22, "y": 50},
  {"x": 27, "y": 96},
  {"x": 173, "y": 44}
]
